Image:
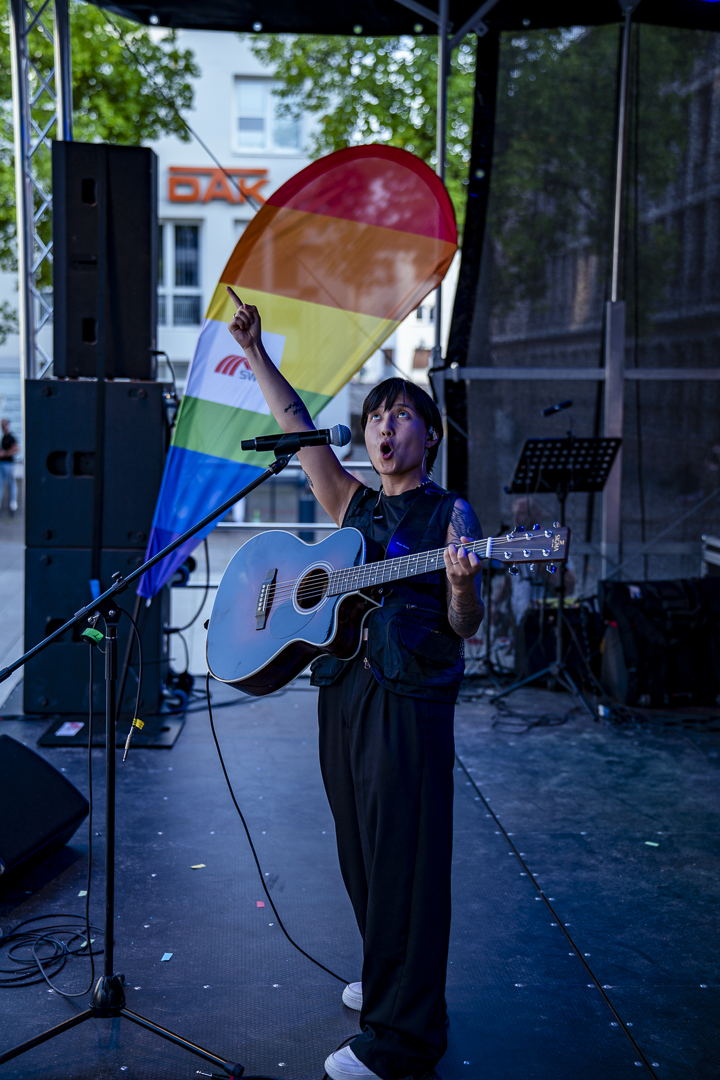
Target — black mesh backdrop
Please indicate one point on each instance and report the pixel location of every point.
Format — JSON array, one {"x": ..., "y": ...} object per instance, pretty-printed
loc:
[{"x": 546, "y": 266}]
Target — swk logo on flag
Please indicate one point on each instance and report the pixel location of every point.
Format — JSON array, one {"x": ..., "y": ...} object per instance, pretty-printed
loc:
[
  {"x": 230, "y": 364},
  {"x": 225, "y": 378}
]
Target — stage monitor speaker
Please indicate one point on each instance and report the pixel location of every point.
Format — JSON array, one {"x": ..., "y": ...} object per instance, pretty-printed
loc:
[
  {"x": 60, "y": 462},
  {"x": 39, "y": 809},
  {"x": 661, "y": 645},
  {"x": 56, "y": 585},
  {"x": 105, "y": 258}
]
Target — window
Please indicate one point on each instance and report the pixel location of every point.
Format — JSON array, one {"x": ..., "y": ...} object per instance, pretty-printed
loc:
[
  {"x": 179, "y": 297},
  {"x": 258, "y": 126}
]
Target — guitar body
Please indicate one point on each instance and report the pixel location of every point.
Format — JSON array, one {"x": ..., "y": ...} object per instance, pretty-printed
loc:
[
  {"x": 283, "y": 602},
  {"x": 272, "y": 614}
]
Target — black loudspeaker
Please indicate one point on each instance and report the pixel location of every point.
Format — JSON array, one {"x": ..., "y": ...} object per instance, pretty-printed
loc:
[
  {"x": 105, "y": 252},
  {"x": 39, "y": 809},
  {"x": 662, "y": 641},
  {"x": 56, "y": 585},
  {"x": 61, "y": 461}
]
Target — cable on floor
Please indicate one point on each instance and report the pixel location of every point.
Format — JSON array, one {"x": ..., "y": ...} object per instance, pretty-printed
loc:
[
  {"x": 252, "y": 846},
  {"x": 517, "y": 723}
]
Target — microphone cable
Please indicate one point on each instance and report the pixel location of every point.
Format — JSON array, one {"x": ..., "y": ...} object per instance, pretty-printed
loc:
[{"x": 252, "y": 846}]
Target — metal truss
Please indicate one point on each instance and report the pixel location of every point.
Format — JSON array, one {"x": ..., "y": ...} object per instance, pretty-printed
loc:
[{"x": 42, "y": 108}]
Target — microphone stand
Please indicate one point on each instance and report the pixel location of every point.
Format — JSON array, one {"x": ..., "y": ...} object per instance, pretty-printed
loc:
[{"x": 108, "y": 994}]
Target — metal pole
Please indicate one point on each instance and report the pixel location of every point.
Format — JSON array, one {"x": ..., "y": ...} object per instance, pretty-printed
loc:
[
  {"x": 23, "y": 187},
  {"x": 440, "y": 149},
  {"x": 63, "y": 73},
  {"x": 621, "y": 154},
  {"x": 614, "y": 345}
]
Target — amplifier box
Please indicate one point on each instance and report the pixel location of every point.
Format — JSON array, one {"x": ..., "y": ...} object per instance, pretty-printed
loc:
[
  {"x": 61, "y": 461},
  {"x": 662, "y": 641},
  {"x": 57, "y": 583},
  {"x": 105, "y": 253}
]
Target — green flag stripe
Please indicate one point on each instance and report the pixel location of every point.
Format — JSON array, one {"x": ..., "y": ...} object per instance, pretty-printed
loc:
[{"x": 209, "y": 428}]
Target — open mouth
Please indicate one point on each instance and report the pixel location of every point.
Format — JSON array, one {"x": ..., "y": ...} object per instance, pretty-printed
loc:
[{"x": 386, "y": 451}]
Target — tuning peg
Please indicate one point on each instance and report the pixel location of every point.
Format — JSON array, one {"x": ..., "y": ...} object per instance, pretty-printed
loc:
[
  {"x": 527, "y": 552},
  {"x": 513, "y": 570},
  {"x": 551, "y": 568},
  {"x": 546, "y": 552},
  {"x": 556, "y": 524},
  {"x": 532, "y": 567},
  {"x": 548, "y": 533},
  {"x": 536, "y": 526}
]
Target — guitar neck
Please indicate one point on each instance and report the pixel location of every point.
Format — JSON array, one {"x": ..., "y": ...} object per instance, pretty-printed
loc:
[{"x": 376, "y": 573}]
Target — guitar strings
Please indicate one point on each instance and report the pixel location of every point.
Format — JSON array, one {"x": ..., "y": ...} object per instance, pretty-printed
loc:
[
  {"x": 284, "y": 589},
  {"x": 287, "y": 587}
]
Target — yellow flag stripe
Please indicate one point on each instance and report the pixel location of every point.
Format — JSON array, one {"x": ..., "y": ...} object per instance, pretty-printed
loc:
[{"x": 324, "y": 346}]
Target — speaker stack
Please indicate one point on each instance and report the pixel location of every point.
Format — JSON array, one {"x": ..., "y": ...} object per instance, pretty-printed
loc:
[{"x": 96, "y": 438}]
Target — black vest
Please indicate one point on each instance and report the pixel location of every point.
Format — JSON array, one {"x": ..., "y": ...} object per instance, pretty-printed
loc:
[{"x": 411, "y": 646}]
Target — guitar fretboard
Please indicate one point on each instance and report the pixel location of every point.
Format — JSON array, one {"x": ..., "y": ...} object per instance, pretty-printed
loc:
[{"x": 375, "y": 573}]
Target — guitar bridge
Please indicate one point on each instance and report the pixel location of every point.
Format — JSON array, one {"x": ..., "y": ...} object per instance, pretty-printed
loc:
[{"x": 265, "y": 599}]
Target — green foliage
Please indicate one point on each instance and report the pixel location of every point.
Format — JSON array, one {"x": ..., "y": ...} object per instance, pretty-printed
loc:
[
  {"x": 364, "y": 90},
  {"x": 8, "y": 321},
  {"x": 122, "y": 93}
]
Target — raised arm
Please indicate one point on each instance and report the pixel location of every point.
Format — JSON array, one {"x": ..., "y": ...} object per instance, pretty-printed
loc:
[
  {"x": 332, "y": 485},
  {"x": 465, "y": 606}
]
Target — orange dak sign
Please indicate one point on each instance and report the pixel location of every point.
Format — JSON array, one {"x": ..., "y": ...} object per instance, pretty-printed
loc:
[{"x": 188, "y": 184}]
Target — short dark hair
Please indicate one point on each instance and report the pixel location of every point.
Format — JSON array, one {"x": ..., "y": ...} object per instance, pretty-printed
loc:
[{"x": 387, "y": 392}]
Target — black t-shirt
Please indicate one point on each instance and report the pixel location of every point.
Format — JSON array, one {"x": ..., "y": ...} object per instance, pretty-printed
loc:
[{"x": 8, "y": 441}]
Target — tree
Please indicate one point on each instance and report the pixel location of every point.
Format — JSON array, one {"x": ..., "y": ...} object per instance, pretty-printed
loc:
[
  {"x": 129, "y": 84},
  {"x": 375, "y": 90}
]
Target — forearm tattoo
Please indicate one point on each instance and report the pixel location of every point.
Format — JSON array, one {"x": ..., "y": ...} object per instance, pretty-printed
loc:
[
  {"x": 465, "y": 613},
  {"x": 298, "y": 408},
  {"x": 464, "y": 522},
  {"x": 465, "y": 609},
  {"x": 310, "y": 483}
]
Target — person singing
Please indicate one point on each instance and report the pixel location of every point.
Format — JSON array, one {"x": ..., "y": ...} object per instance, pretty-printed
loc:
[{"x": 386, "y": 717}]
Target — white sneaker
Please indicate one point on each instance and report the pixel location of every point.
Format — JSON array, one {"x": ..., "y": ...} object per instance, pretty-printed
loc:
[
  {"x": 344, "y": 1065},
  {"x": 352, "y": 996}
]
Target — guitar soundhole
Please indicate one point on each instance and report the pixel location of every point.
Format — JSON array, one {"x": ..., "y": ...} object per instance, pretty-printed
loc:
[{"x": 311, "y": 589}]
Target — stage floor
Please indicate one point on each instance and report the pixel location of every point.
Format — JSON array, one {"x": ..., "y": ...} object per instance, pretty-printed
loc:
[{"x": 584, "y": 940}]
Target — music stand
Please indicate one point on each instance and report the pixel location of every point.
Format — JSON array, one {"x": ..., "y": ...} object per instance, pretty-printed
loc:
[{"x": 561, "y": 466}]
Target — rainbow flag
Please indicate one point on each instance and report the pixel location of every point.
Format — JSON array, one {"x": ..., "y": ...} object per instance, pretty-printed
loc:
[{"x": 334, "y": 261}]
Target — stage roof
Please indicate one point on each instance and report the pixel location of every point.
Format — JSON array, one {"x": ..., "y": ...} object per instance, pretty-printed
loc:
[{"x": 386, "y": 17}]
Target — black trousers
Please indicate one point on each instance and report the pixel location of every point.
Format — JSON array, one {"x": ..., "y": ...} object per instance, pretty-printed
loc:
[{"x": 387, "y": 763}]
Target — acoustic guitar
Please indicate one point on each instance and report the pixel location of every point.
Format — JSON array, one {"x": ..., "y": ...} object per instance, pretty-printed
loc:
[{"x": 282, "y": 602}]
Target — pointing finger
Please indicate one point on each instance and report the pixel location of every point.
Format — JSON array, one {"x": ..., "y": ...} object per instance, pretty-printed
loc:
[{"x": 234, "y": 297}]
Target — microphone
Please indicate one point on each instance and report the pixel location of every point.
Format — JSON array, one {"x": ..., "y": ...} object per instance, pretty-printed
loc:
[
  {"x": 557, "y": 408},
  {"x": 334, "y": 436}
]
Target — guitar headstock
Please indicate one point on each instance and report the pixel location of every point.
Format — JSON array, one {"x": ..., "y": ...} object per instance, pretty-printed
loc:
[{"x": 531, "y": 546}]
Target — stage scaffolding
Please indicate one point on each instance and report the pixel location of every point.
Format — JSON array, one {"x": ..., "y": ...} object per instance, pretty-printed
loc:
[{"x": 42, "y": 109}]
